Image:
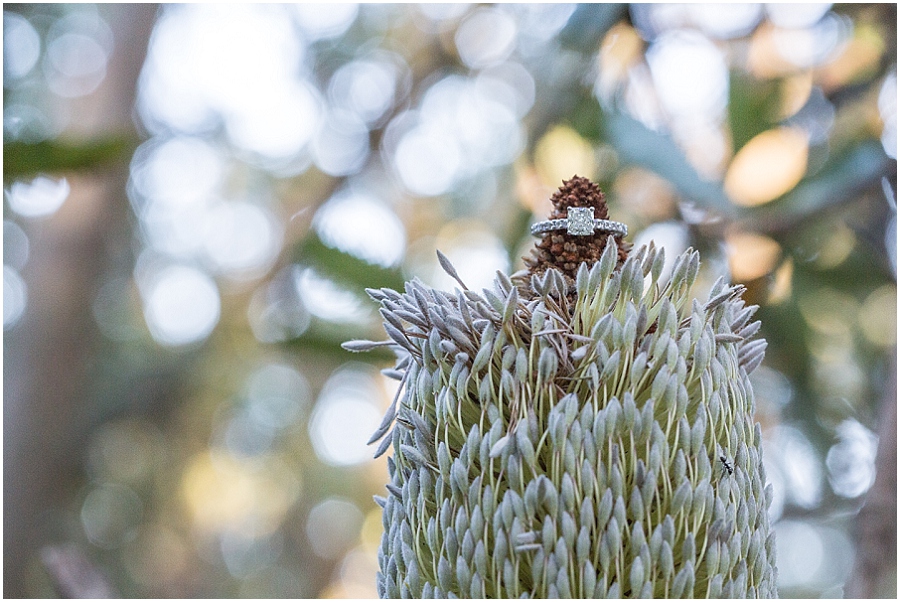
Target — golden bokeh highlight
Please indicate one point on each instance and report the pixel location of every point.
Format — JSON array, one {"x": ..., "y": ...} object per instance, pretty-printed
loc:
[
  {"x": 768, "y": 166},
  {"x": 878, "y": 316},
  {"x": 794, "y": 91},
  {"x": 829, "y": 311},
  {"x": 708, "y": 149},
  {"x": 371, "y": 531},
  {"x": 562, "y": 153},
  {"x": 859, "y": 59},
  {"x": 764, "y": 59},
  {"x": 645, "y": 194},
  {"x": 781, "y": 288},
  {"x": 356, "y": 579},
  {"x": 223, "y": 492},
  {"x": 836, "y": 248},
  {"x": 750, "y": 255},
  {"x": 621, "y": 49},
  {"x": 533, "y": 194}
]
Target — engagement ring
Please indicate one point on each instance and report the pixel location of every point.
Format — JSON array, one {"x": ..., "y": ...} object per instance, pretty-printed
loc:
[{"x": 580, "y": 222}]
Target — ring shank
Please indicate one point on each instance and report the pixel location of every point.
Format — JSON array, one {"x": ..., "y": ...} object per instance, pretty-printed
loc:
[{"x": 617, "y": 229}]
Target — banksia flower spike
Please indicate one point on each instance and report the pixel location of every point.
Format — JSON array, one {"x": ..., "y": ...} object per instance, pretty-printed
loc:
[{"x": 580, "y": 430}]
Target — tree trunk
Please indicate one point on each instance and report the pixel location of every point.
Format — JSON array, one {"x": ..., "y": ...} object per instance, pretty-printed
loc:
[
  {"x": 875, "y": 573},
  {"x": 48, "y": 353}
]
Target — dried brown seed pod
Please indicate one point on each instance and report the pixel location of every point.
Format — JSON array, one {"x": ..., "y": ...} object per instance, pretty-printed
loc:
[{"x": 565, "y": 252}]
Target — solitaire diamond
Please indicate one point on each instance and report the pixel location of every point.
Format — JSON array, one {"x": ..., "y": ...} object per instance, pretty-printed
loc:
[{"x": 581, "y": 221}]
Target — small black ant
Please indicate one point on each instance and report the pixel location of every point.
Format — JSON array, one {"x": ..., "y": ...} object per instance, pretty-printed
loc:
[{"x": 726, "y": 465}]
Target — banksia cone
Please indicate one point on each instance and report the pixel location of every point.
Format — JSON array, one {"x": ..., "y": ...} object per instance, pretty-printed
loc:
[{"x": 574, "y": 435}]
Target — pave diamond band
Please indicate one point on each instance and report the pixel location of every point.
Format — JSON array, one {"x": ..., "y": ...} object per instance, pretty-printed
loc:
[{"x": 580, "y": 222}]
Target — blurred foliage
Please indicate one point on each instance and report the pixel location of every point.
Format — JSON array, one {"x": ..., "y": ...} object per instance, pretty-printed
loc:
[
  {"x": 178, "y": 407},
  {"x": 27, "y": 159},
  {"x": 639, "y": 145},
  {"x": 588, "y": 24},
  {"x": 357, "y": 274},
  {"x": 750, "y": 107}
]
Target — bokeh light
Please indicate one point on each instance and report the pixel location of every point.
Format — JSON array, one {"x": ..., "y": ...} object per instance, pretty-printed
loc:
[
  {"x": 796, "y": 16},
  {"x": 799, "y": 553},
  {"x": 346, "y": 414},
  {"x": 327, "y": 300},
  {"x": 803, "y": 557},
  {"x": 690, "y": 75},
  {"x": 110, "y": 515},
  {"x": 773, "y": 390},
  {"x": 851, "y": 462},
  {"x": 181, "y": 304},
  {"x": 341, "y": 145},
  {"x": 485, "y": 37},
  {"x": 837, "y": 247},
  {"x": 731, "y": 20},
  {"x": 358, "y": 223},
  {"x": 275, "y": 311},
  {"x": 878, "y": 316},
  {"x": 474, "y": 251},
  {"x": 277, "y": 394},
  {"x": 15, "y": 245},
  {"x": 225, "y": 493},
  {"x": 41, "y": 197},
  {"x": 21, "y": 46},
  {"x": 799, "y": 469},
  {"x": 812, "y": 46},
  {"x": 750, "y": 255},
  {"x": 323, "y": 21},
  {"x": 560, "y": 153},
  {"x": 367, "y": 86},
  {"x": 156, "y": 558},
  {"x": 76, "y": 64},
  {"x": 15, "y": 296},
  {"x": 266, "y": 110},
  {"x": 15, "y": 256},
  {"x": 240, "y": 239},
  {"x": 247, "y": 554},
  {"x": 355, "y": 581},
  {"x": 768, "y": 166},
  {"x": 887, "y": 105},
  {"x": 457, "y": 132},
  {"x": 180, "y": 172},
  {"x": 332, "y": 527}
]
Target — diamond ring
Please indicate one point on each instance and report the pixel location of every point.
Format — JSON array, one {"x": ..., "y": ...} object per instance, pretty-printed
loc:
[{"x": 580, "y": 222}]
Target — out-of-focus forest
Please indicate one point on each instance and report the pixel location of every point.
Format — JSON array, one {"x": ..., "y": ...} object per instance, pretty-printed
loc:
[{"x": 195, "y": 197}]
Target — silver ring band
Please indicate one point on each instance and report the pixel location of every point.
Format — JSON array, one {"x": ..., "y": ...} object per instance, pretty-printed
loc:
[{"x": 580, "y": 222}]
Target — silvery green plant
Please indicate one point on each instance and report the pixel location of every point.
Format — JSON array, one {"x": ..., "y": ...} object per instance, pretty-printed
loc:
[{"x": 574, "y": 439}]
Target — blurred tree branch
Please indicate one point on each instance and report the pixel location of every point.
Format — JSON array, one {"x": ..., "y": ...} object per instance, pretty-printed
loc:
[
  {"x": 24, "y": 159},
  {"x": 351, "y": 271}
]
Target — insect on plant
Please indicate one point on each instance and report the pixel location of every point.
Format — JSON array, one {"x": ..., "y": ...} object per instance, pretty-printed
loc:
[{"x": 726, "y": 465}]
